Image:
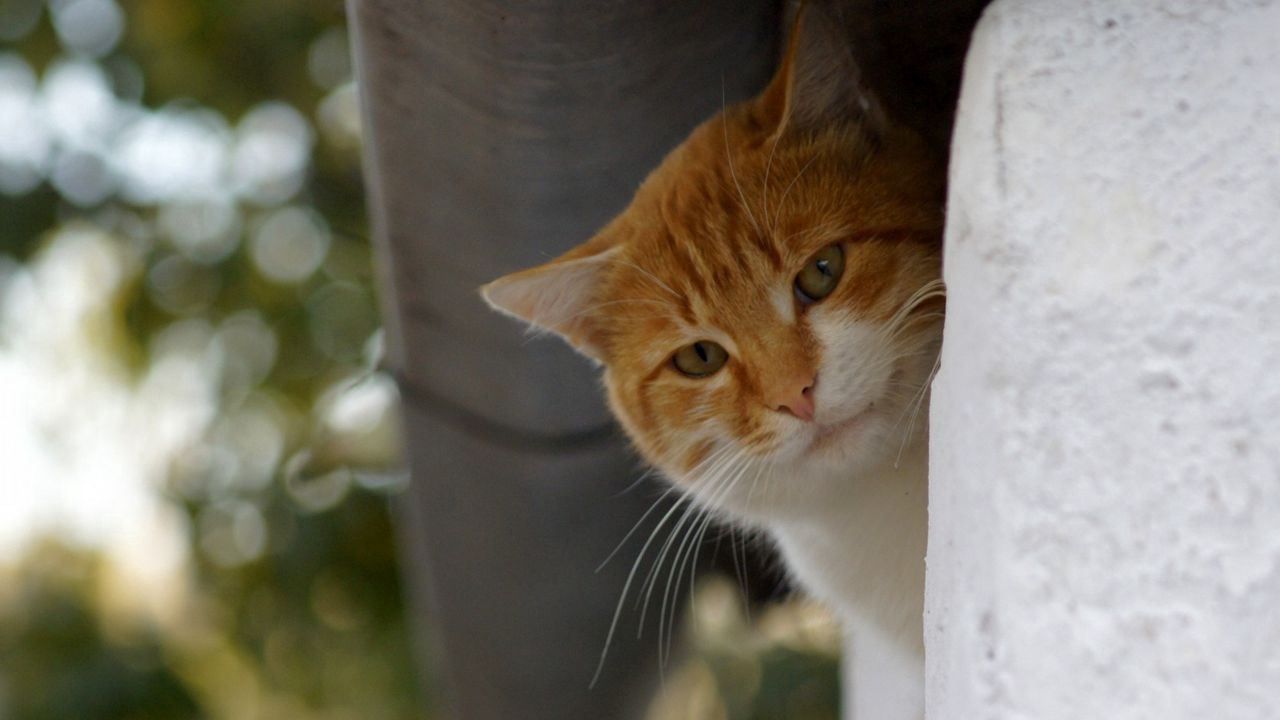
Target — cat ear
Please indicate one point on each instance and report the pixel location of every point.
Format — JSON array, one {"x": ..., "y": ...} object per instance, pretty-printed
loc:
[
  {"x": 818, "y": 82},
  {"x": 556, "y": 297}
]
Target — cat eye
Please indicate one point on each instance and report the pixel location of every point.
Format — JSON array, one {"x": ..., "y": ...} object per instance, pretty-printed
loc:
[
  {"x": 820, "y": 275},
  {"x": 700, "y": 359}
]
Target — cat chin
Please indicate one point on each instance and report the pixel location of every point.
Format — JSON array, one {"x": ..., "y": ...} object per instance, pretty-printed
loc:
[
  {"x": 802, "y": 481},
  {"x": 880, "y": 445}
]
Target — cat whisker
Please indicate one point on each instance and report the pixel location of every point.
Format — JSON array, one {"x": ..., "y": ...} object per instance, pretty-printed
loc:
[
  {"x": 638, "y": 481},
  {"x": 935, "y": 285},
  {"x": 918, "y": 404},
  {"x": 651, "y": 577},
  {"x": 717, "y": 475},
  {"x": 712, "y": 478},
  {"x": 651, "y": 277},
  {"x": 739, "y": 566},
  {"x": 654, "y": 506},
  {"x": 628, "y": 301},
  {"x": 733, "y": 173},
  {"x": 674, "y": 573},
  {"x": 734, "y": 547},
  {"x": 829, "y": 228},
  {"x": 885, "y": 359},
  {"x": 778, "y": 208},
  {"x": 676, "y": 538},
  {"x": 929, "y": 291},
  {"x": 764, "y": 469},
  {"x": 689, "y": 549},
  {"x": 698, "y": 537},
  {"x": 745, "y": 536},
  {"x": 635, "y": 566},
  {"x": 764, "y": 192}
]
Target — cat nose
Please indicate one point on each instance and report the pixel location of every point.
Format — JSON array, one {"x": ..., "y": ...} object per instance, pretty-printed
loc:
[{"x": 796, "y": 397}]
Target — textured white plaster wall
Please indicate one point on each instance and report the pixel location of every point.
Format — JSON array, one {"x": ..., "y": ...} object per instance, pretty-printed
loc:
[{"x": 1105, "y": 508}]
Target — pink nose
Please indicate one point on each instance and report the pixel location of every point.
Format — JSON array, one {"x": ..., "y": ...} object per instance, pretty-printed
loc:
[{"x": 796, "y": 397}]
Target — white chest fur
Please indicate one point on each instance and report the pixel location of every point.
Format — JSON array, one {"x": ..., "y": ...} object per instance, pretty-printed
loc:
[{"x": 864, "y": 555}]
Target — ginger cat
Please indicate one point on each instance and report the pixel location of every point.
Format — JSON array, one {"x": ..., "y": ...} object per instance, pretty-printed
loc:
[{"x": 768, "y": 313}]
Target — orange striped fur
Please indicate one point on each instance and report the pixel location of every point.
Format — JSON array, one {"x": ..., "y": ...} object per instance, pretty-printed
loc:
[
  {"x": 812, "y": 429},
  {"x": 709, "y": 248}
]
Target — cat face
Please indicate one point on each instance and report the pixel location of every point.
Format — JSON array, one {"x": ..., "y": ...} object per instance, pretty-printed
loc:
[{"x": 768, "y": 308}]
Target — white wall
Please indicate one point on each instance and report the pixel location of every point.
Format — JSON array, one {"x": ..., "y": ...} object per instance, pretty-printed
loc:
[{"x": 1105, "y": 539}]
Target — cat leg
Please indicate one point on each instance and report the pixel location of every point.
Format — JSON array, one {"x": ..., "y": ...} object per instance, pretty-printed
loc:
[{"x": 883, "y": 675}]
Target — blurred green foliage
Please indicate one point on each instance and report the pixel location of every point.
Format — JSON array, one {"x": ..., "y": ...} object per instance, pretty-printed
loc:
[
  {"x": 60, "y": 664},
  {"x": 294, "y": 607},
  {"x": 780, "y": 666},
  {"x": 213, "y": 146}
]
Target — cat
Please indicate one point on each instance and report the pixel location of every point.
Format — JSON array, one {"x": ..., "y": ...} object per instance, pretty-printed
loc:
[{"x": 768, "y": 315}]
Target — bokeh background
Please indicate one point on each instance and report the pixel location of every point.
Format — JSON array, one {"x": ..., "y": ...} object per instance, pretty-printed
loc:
[{"x": 199, "y": 452}]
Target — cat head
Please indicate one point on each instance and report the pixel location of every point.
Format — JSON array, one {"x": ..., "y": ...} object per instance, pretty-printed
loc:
[{"x": 768, "y": 308}]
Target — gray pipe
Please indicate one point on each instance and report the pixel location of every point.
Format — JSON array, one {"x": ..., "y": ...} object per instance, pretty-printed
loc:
[{"x": 499, "y": 134}]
